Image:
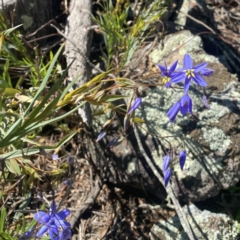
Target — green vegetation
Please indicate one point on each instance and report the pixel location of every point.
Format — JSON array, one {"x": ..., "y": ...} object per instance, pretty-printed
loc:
[{"x": 33, "y": 96}]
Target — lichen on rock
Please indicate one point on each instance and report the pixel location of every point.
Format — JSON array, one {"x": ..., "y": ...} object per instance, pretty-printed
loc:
[
  {"x": 209, "y": 136},
  {"x": 205, "y": 225}
]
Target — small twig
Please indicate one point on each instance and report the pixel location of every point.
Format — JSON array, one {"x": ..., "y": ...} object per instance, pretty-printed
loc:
[
  {"x": 14, "y": 185},
  {"x": 182, "y": 216},
  {"x": 89, "y": 202},
  {"x": 197, "y": 21}
]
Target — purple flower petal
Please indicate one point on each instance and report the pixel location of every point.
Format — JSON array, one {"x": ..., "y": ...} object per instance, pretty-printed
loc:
[
  {"x": 41, "y": 231},
  {"x": 63, "y": 214},
  {"x": 167, "y": 175},
  {"x": 168, "y": 84},
  {"x": 206, "y": 72},
  {"x": 205, "y": 101},
  {"x": 186, "y": 104},
  {"x": 173, "y": 111},
  {"x": 199, "y": 80},
  {"x": 187, "y": 84},
  {"x": 101, "y": 136},
  {"x": 163, "y": 70},
  {"x": 182, "y": 158},
  {"x": 55, "y": 157},
  {"x": 184, "y": 109},
  {"x": 115, "y": 141},
  {"x": 53, "y": 232},
  {"x": 53, "y": 208},
  {"x": 62, "y": 223},
  {"x": 166, "y": 162},
  {"x": 184, "y": 100},
  {"x": 200, "y": 67},
  {"x": 135, "y": 105},
  {"x": 187, "y": 61},
  {"x": 173, "y": 67},
  {"x": 177, "y": 77},
  {"x": 41, "y": 217}
]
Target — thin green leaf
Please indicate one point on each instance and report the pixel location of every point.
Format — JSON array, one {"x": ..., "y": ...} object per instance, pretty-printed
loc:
[
  {"x": 35, "y": 150},
  {"x": 13, "y": 166},
  {"x": 2, "y": 219}
]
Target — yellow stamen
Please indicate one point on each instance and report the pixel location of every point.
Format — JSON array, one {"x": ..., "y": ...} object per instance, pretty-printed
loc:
[
  {"x": 166, "y": 79},
  {"x": 190, "y": 73}
]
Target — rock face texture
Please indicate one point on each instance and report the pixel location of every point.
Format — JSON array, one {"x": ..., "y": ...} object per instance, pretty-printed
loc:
[
  {"x": 205, "y": 225},
  {"x": 210, "y": 137}
]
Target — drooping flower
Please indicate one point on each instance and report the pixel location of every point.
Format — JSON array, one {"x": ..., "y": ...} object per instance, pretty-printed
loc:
[
  {"x": 169, "y": 74},
  {"x": 166, "y": 162},
  {"x": 52, "y": 222},
  {"x": 182, "y": 158},
  {"x": 206, "y": 72},
  {"x": 167, "y": 176},
  {"x": 192, "y": 73},
  {"x": 205, "y": 101},
  {"x": 184, "y": 105},
  {"x": 101, "y": 136},
  {"x": 115, "y": 141},
  {"x": 135, "y": 105}
]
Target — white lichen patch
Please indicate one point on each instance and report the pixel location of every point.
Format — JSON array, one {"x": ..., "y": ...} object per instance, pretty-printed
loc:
[
  {"x": 216, "y": 138},
  {"x": 213, "y": 114},
  {"x": 205, "y": 225},
  {"x": 131, "y": 167}
]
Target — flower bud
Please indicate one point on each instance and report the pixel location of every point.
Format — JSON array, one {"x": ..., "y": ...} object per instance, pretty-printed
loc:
[{"x": 182, "y": 158}]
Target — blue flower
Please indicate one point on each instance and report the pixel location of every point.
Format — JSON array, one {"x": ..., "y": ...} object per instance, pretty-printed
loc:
[
  {"x": 135, "y": 105},
  {"x": 166, "y": 170},
  {"x": 169, "y": 74},
  {"x": 206, "y": 72},
  {"x": 101, "y": 136},
  {"x": 184, "y": 105},
  {"x": 182, "y": 158},
  {"x": 189, "y": 72},
  {"x": 167, "y": 176},
  {"x": 166, "y": 162},
  {"x": 52, "y": 222},
  {"x": 55, "y": 157}
]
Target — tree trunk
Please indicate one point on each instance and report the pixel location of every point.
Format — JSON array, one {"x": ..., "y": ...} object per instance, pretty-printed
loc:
[{"x": 78, "y": 46}]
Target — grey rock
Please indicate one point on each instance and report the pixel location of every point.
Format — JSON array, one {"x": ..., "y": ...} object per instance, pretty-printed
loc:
[
  {"x": 210, "y": 137},
  {"x": 205, "y": 225}
]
